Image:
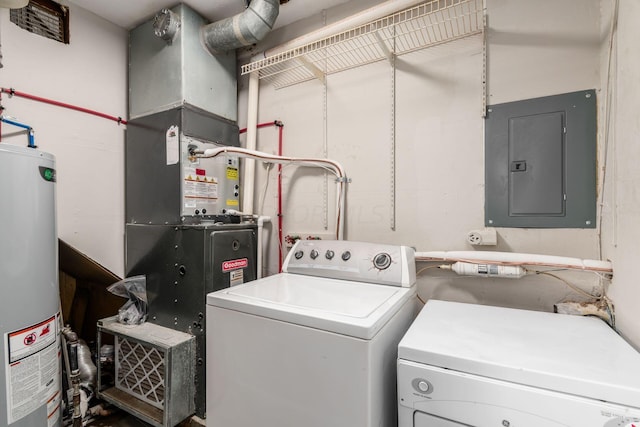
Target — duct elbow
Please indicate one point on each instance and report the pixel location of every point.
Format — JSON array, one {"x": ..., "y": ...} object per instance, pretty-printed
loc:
[{"x": 244, "y": 29}]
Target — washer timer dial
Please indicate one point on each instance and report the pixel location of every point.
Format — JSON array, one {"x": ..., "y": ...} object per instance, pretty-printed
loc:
[{"x": 382, "y": 261}]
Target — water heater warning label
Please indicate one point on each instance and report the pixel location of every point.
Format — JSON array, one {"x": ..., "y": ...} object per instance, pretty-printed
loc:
[{"x": 32, "y": 370}]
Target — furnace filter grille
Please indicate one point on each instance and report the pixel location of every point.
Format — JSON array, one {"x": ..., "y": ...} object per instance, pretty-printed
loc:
[{"x": 140, "y": 371}]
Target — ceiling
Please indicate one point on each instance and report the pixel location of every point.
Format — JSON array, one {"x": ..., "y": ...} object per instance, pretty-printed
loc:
[{"x": 129, "y": 13}]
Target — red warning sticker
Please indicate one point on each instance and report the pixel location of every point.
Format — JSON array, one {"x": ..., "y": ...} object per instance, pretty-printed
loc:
[
  {"x": 235, "y": 264},
  {"x": 25, "y": 342},
  {"x": 32, "y": 371}
]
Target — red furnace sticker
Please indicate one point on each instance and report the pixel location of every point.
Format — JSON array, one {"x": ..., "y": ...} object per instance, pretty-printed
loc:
[{"x": 235, "y": 264}]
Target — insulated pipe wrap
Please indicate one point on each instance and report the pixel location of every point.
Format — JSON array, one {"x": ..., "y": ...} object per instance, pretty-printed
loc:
[{"x": 244, "y": 29}]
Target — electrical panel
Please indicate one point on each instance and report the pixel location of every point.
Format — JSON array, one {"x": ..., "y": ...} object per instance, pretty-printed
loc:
[{"x": 540, "y": 162}]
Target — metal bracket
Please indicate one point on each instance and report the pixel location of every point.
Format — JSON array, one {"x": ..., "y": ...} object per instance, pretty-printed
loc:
[
  {"x": 383, "y": 46},
  {"x": 344, "y": 179},
  {"x": 317, "y": 72}
]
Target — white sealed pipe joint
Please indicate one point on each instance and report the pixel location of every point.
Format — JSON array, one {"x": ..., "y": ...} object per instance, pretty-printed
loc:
[{"x": 486, "y": 270}]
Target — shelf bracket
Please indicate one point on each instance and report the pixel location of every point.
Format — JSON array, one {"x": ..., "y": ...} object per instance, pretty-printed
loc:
[
  {"x": 383, "y": 46},
  {"x": 317, "y": 72}
]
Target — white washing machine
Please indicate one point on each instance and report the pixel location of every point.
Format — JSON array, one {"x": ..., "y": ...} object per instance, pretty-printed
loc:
[
  {"x": 472, "y": 365},
  {"x": 314, "y": 346}
]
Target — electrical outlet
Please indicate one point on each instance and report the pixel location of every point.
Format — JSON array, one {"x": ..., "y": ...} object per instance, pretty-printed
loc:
[
  {"x": 484, "y": 237},
  {"x": 474, "y": 239}
]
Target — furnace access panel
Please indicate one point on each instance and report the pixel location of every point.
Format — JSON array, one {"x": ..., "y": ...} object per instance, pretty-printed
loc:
[{"x": 165, "y": 183}]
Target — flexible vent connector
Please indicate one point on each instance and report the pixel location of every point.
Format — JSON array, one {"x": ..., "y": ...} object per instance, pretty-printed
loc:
[{"x": 243, "y": 29}]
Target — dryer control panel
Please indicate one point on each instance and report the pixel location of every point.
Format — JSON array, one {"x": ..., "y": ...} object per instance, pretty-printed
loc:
[{"x": 358, "y": 261}]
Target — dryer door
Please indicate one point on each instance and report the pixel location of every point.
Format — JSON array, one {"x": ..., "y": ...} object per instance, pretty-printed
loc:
[{"x": 425, "y": 420}]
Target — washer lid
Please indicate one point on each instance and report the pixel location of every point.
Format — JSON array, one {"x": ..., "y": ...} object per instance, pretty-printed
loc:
[
  {"x": 571, "y": 354},
  {"x": 350, "y": 308}
]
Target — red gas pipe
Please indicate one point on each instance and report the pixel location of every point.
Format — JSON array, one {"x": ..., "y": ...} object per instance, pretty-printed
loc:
[{"x": 13, "y": 92}]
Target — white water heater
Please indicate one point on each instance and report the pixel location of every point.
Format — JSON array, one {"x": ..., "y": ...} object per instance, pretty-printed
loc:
[{"x": 29, "y": 298}]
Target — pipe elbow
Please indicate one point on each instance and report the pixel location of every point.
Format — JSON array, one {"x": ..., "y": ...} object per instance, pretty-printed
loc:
[{"x": 243, "y": 29}]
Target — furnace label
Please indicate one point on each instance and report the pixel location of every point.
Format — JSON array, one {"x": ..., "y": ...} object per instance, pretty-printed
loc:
[
  {"x": 199, "y": 188},
  {"x": 236, "y": 277},
  {"x": 235, "y": 264},
  {"x": 232, "y": 173},
  {"x": 32, "y": 370}
]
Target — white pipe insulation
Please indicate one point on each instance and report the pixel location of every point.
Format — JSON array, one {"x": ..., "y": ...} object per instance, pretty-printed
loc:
[
  {"x": 333, "y": 166},
  {"x": 511, "y": 258},
  {"x": 262, "y": 220},
  {"x": 249, "y": 174}
]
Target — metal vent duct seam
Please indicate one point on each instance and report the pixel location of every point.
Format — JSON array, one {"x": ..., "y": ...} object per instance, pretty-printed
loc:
[{"x": 243, "y": 29}]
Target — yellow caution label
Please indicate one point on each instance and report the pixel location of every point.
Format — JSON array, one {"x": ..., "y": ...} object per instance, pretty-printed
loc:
[
  {"x": 232, "y": 202},
  {"x": 232, "y": 173}
]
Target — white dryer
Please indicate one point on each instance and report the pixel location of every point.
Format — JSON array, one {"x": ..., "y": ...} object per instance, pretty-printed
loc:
[
  {"x": 472, "y": 365},
  {"x": 314, "y": 346}
]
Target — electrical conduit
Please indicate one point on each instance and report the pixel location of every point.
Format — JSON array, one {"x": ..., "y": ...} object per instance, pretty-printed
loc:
[{"x": 280, "y": 218}]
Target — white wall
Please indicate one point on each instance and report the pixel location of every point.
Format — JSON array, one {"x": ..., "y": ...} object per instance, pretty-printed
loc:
[
  {"x": 89, "y": 72},
  {"x": 622, "y": 198},
  {"x": 535, "y": 49}
]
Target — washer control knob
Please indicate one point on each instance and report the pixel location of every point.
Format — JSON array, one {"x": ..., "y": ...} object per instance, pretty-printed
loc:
[
  {"x": 313, "y": 254},
  {"x": 422, "y": 386},
  {"x": 382, "y": 261},
  {"x": 329, "y": 254},
  {"x": 346, "y": 255},
  {"x": 298, "y": 254}
]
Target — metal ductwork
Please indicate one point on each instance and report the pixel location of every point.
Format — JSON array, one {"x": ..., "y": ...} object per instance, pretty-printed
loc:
[{"x": 243, "y": 29}]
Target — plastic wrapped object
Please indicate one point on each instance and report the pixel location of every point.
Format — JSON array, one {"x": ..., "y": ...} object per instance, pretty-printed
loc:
[{"x": 134, "y": 311}]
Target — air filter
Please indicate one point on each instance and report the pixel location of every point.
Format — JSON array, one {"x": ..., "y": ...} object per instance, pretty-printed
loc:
[{"x": 154, "y": 371}]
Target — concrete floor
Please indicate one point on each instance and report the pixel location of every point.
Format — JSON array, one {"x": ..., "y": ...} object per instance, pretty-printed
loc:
[
  {"x": 118, "y": 419},
  {"x": 123, "y": 419}
]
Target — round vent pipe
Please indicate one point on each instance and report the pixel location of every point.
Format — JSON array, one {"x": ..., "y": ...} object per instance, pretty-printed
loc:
[{"x": 243, "y": 29}]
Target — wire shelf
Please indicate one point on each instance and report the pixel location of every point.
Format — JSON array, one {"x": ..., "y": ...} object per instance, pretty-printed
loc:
[{"x": 429, "y": 24}]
